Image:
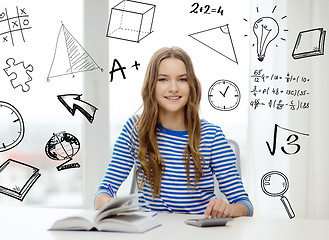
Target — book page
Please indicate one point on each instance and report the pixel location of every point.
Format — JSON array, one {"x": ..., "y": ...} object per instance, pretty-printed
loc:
[
  {"x": 117, "y": 202},
  {"x": 80, "y": 221},
  {"x": 127, "y": 223},
  {"x": 115, "y": 211}
]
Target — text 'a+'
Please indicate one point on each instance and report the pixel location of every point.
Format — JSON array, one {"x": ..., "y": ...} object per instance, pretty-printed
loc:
[{"x": 116, "y": 66}]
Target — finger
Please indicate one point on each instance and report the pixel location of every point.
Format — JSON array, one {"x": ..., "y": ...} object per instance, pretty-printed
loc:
[
  {"x": 215, "y": 208},
  {"x": 219, "y": 208},
  {"x": 209, "y": 208},
  {"x": 228, "y": 212}
]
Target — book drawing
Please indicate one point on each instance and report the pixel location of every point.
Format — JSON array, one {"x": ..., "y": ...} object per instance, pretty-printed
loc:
[
  {"x": 309, "y": 43},
  {"x": 17, "y": 178}
]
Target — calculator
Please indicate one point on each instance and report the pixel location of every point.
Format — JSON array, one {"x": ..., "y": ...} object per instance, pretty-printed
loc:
[{"x": 208, "y": 222}]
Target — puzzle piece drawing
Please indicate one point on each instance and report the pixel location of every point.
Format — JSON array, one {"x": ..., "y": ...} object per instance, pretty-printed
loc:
[{"x": 19, "y": 73}]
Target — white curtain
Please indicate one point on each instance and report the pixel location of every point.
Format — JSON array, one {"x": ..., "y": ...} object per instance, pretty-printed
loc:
[{"x": 301, "y": 141}]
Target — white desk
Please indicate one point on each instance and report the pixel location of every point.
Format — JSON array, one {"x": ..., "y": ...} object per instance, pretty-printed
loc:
[{"x": 32, "y": 223}]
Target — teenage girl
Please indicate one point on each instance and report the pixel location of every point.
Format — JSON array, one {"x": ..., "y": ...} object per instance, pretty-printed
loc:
[{"x": 176, "y": 154}]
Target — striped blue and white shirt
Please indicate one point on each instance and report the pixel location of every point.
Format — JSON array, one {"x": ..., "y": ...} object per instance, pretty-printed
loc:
[{"x": 176, "y": 195}]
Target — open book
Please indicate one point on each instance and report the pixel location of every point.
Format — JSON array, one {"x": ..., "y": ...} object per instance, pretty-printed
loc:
[{"x": 114, "y": 216}]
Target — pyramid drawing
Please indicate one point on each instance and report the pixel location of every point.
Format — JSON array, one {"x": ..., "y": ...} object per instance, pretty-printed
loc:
[
  {"x": 70, "y": 57},
  {"x": 218, "y": 39}
]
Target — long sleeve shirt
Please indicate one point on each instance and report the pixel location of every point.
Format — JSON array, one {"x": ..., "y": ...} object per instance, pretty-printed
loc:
[{"x": 176, "y": 195}]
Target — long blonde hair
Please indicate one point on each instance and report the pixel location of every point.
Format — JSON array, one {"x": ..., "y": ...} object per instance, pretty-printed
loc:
[{"x": 148, "y": 153}]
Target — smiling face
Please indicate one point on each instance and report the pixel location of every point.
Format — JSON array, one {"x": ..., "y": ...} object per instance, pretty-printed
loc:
[{"x": 172, "y": 89}]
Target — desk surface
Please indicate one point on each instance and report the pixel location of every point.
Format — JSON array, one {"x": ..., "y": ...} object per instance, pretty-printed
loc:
[{"x": 32, "y": 223}]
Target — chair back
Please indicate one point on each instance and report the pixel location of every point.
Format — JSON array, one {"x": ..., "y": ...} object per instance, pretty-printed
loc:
[{"x": 235, "y": 147}]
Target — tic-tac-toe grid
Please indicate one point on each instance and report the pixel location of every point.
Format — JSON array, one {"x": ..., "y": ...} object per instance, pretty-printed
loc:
[{"x": 13, "y": 25}]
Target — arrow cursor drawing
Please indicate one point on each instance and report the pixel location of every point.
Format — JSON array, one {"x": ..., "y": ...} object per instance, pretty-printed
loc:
[{"x": 72, "y": 102}]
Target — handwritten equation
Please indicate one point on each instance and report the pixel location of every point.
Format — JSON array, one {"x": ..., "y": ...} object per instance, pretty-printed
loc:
[
  {"x": 291, "y": 145},
  {"x": 280, "y": 104},
  {"x": 291, "y": 95},
  {"x": 278, "y": 91},
  {"x": 259, "y": 76},
  {"x": 206, "y": 9}
]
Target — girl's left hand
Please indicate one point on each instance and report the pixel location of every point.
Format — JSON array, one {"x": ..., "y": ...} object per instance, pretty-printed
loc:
[{"x": 218, "y": 208}]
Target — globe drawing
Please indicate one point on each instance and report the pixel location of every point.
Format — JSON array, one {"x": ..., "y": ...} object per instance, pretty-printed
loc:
[{"x": 62, "y": 146}]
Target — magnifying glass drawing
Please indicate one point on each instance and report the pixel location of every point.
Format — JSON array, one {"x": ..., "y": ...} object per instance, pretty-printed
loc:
[{"x": 276, "y": 184}]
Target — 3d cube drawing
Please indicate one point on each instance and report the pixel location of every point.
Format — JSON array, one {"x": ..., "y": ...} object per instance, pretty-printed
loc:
[{"x": 131, "y": 20}]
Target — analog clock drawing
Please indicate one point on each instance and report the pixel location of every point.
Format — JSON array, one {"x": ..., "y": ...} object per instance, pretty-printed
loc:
[
  {"x": 224, "y": 95},
  {"x": 11, "y": 126}
]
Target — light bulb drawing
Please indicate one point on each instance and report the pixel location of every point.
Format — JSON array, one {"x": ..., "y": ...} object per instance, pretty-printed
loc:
[{"x": 266, "y": 29}]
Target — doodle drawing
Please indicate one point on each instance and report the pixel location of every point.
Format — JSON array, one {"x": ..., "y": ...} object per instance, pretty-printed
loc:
[
  {"x": 12, "y": 127},
  {"x": 309, "y": 43},
  {"x": 276, "y": 184},
  {"x": 63, "y": 146},
  {"x": 131, "y": 21},
  {"x": 17, "y": 178},
  {"x": 19, "y": 74},
  {"x": 70, "y": 57},
  {"x": 72, "y": 102},
  {"x": 13, "y": 24},
  {"x": 224, "y": 95},
  {"x": 219, "y": 40},
  {"x": 291, "y": 145},
  {"x": 266, "y": 29}
]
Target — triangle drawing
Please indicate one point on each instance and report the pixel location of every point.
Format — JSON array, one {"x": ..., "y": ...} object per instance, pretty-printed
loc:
[
  {"x": 218, "y": 39},
  {"x": 70, "y": 57}
]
